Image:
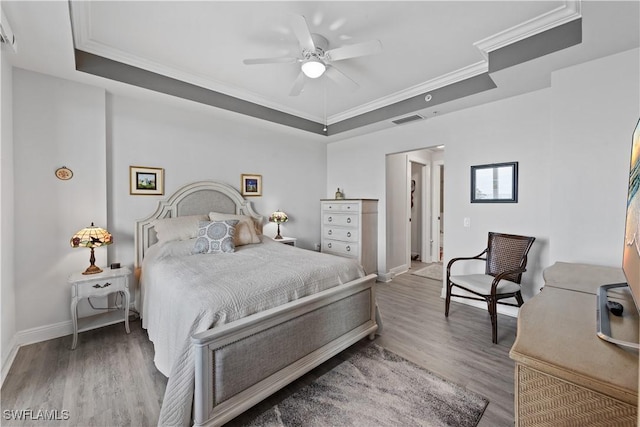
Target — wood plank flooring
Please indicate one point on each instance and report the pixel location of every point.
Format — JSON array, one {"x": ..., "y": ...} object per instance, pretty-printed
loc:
[{"x": 110, "y": 379}]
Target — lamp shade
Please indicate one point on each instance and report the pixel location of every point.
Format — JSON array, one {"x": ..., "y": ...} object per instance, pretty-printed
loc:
[
  {"x": 313, "y": 68},
  {"x": 278, "y": 217},
  {"x": 91, "y": 237}
]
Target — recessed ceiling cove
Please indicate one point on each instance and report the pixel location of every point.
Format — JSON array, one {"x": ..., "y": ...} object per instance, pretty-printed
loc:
[{"x": 376, "y": 60}]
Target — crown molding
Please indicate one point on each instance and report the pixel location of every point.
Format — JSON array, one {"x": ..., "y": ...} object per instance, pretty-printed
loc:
[
  {"x": 570, "y": 11},
  {"x": 81, "y": 24},
  {"x": 464, "y": 73}
]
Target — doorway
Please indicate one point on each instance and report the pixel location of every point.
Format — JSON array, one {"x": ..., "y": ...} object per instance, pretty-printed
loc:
[
  {"x": 413, "y": 207},
  {"x": 418, "y": 212}
]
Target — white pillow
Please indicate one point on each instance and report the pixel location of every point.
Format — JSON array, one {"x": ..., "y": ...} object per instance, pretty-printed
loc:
[
  {"x": 180, "y": 228},
  {"x": 215, "y": 237},
  {"x": 245, "y": 229}
]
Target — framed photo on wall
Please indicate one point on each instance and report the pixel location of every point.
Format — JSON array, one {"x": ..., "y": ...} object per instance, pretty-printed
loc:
[
  {"x": 251, "y": 185},
  {"x": 146, "y": 181}
]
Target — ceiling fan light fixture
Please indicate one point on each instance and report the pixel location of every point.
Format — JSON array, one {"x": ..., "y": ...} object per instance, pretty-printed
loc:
[{"x": 313, "y": 68}]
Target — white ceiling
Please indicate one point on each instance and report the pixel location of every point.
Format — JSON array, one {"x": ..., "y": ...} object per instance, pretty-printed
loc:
[{"x": 426, "y": 44}]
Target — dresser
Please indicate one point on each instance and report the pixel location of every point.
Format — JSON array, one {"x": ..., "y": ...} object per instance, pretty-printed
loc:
[
  {"x": 350, "y": 229},
  {"x": 564, "y": 374}
]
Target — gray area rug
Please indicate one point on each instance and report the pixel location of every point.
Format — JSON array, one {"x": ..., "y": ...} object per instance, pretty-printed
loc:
[
  {"x": 374, "y": 387},
  {"x": 431, "y": 271}
]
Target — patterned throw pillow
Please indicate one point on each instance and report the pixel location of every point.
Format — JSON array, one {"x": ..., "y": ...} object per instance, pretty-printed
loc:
[{"x": 215, "y": 237}]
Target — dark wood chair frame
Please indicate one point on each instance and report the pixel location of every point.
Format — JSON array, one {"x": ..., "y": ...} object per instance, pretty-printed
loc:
[{"x": 501, "y": 264}]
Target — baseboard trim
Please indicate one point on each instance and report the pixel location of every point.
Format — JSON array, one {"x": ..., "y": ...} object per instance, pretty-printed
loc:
[
  {"x": 44, "y": 333},
  {"x": 502, "y": 309},
  {"x": 399, "y": 269},
  {"x": 6, "y": 364},
  {"x": 385, "y": 277}
]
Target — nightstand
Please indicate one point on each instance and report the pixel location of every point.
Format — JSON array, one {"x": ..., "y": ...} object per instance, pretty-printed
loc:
[
  {"x": 99, "y": 285},
  {"x": 291, "y": 241}
]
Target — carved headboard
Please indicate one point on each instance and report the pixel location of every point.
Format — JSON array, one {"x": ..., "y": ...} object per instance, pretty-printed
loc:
[{"x": 197, "y": 198}]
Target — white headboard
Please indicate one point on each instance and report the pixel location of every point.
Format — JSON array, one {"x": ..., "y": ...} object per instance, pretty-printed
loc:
[{"x": 197, "y": 198}]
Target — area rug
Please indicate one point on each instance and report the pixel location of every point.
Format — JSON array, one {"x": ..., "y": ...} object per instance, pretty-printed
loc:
[
  {"x": 374, "y": 387},
  {"x": 431, "y": 271}
]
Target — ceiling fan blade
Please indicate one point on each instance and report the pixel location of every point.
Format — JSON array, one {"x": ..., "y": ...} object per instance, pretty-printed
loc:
[
  {"x": 283, "y": 60},
  {"x": 301, "y": 30},
  {"x": 354, "y": 50},
  {"x": 298, "y": 85},
  {"x": 341, "y": 78}
]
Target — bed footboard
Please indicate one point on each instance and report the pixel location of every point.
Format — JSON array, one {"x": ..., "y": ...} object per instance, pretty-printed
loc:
[{"x": 240, "y": 364}]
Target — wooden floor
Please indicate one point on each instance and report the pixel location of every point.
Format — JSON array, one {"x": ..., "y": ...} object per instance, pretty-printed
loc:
[
  {"x": 110, "y": 379},
  {"x": 457, "y": 348}
]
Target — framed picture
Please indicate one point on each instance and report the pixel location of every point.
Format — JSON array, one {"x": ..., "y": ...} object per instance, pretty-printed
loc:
[
  {"x": 251, "y": 185},
  {"x": 494, "y": 183},
  {"x": 146, "y": 181}
]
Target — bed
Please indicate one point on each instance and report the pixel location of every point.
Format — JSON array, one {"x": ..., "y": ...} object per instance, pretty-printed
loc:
[{"x": 286, "y": 309}]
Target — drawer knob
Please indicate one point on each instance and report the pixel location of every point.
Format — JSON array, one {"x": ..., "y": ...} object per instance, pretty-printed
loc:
[
  {"x": 348, "y": 248},
  {"x": 348, "y": 234},
  {"x": 329, "y": 245},
  {"x": 330, "y": 232},
  {"x": 98, "y": 285},
  {"x": 329, "y": 219},
  {"x": 348, "y": 220}
]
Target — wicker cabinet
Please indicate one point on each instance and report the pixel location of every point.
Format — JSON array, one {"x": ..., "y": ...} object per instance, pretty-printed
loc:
[
  {"x": 350, "y": 229},
  {"x": 565, "y": 375}
]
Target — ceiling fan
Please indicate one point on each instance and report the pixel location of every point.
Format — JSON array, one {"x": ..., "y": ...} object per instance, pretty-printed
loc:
[{"x": 317, "y": 59}]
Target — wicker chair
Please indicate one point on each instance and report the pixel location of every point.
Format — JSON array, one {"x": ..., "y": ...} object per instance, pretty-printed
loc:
[{"x": 506, "y": 259}]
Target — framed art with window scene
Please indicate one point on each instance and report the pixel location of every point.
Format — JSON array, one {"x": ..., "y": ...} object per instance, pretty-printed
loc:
[
  {"x": 494, "y": 183},
  {"x": 251, "y": 184},
  {"x": 146, "y": 181}
]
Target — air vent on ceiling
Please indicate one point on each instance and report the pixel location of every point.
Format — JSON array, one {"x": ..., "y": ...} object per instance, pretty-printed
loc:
[{"x": 408, "y": 119}]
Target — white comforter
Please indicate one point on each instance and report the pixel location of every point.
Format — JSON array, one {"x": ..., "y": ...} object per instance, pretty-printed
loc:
[{"x": 184, "y": 294}]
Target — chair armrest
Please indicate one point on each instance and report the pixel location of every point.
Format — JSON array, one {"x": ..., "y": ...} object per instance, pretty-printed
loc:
[
  {"x": 502, "y": 275},
  {"x": 477, "y": 257}
]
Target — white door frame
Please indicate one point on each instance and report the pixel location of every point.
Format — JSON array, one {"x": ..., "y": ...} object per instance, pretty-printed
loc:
[
  {"x": 435, "y": 211},
  {"x": 425, "y": 250}
]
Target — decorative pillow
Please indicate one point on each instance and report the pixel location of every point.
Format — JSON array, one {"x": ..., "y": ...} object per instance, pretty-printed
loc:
[
  {"x": 245, "y": 230},
  {"x": 180, "y": 228},
  {"x": 215, "y": 237}
]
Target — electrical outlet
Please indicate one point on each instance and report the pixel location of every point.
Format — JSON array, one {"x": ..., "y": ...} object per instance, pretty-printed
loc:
[{"x": 467, "y": 222}]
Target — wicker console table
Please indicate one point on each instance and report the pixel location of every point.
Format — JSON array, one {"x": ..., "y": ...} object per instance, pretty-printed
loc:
[{"x": 565, "y": 375}]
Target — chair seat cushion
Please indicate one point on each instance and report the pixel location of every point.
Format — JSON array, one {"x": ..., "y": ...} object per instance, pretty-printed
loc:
[{"x": 481, "y": 283}]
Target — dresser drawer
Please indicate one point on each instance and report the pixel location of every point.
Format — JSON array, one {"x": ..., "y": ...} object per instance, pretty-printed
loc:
[
  {"x": 340, "y": 219},
  {"x": 341, "y": 207},
  {"x": 340, "y": 248},
  {"x": 98, "y": 287},
  {"x": 345, "y": 234}
]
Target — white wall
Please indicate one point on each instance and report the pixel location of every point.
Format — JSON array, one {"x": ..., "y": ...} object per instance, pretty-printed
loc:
[
  {"x": 522, "y": 129},
  {"x": 56, "y": 123},
  {"x": 7, "y": 289},
  {"x": 201, "y": 144},
  {"x": 98, "y": 136},
  {"x": 515, "y": 129},
  {"x": 398, "y": 167},
  {"x": 595, "y": 109}
]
